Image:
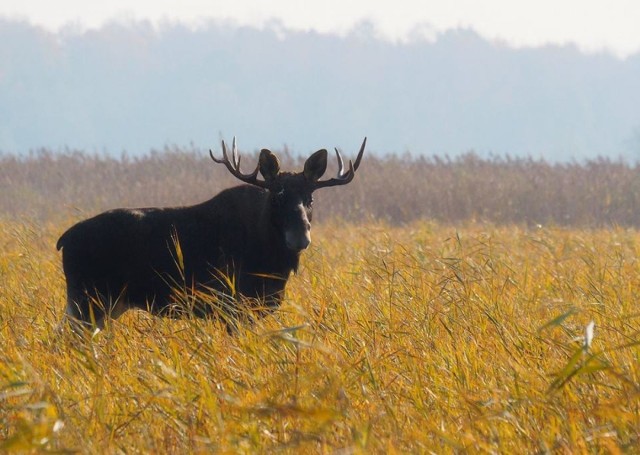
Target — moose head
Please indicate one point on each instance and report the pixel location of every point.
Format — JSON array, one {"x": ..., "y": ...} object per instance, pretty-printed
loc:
[{"x": 291, "y": 194}]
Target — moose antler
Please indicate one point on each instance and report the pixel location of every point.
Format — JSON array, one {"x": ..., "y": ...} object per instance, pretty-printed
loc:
[
  {"x": 234, "y": 166},
  {"x": 343, "y": 177}
]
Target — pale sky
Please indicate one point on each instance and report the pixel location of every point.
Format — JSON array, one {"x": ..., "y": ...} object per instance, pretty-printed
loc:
[{"x": 593, "y": 25}]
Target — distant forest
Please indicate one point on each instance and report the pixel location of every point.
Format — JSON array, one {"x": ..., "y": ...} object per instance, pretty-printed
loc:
[
  {"x": 134, "y": 87},
  {"x": 397, "y": 189}
]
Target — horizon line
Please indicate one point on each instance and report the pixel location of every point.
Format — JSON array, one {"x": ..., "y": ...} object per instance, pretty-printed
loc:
[{"x": 366, "y": 28}]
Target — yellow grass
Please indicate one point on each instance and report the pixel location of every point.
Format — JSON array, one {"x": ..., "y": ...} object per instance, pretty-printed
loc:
[{"x": 392, "y": 340}]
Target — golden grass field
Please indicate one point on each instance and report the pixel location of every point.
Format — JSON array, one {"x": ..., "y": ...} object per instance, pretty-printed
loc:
[{"x": 422, "y": 338}]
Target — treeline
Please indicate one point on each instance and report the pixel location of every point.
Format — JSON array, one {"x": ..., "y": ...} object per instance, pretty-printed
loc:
[{"x": 48, "y": 186}]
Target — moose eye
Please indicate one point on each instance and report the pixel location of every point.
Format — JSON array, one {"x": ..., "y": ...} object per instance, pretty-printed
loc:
[{"x": 279, "y": 197}]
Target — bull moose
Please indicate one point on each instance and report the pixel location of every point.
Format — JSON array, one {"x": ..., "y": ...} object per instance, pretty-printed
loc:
[{"x": 233, "y": 251}]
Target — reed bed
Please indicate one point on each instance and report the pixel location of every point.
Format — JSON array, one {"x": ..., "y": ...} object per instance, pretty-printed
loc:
[{"x": 396, "y": 189}]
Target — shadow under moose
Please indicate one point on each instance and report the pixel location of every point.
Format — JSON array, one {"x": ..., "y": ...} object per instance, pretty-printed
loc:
[{"x": 230, "y": 257}]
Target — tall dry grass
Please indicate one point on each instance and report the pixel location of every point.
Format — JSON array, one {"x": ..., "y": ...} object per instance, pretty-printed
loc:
[{"x": 422, "y": 338}]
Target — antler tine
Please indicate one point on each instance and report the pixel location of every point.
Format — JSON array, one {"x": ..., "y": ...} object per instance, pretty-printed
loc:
[
  {"x": 360, "y": 153},
  {"x": 234, "y": 154},
  {"x": 225, "y": 158},
  {"x": 216, "y": 159},
  {"x": 340, "y": 163}
]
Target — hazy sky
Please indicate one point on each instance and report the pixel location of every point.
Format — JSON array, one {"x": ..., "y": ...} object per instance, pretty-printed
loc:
[{"x": 591, "y": 24}]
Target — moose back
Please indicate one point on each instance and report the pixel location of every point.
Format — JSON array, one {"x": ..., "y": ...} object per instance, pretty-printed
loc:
[{"x": 232, "y": 252}]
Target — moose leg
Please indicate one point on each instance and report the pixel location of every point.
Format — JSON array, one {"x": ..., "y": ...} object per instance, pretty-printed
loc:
[
  {"x": 77, "y": 312},
  {"x": 86, "y": 310}
]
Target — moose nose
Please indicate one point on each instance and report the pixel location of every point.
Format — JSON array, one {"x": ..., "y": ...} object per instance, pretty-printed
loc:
[{"x": 297, "y": 241}]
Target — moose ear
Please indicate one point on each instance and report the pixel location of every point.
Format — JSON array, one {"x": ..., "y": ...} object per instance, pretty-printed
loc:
[
  {"x": 269, "y": 165},
  {"x": 315, "y": 166}
]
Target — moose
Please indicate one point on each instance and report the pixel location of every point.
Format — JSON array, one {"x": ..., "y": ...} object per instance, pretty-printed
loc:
[{"x": 214, "y": 259}]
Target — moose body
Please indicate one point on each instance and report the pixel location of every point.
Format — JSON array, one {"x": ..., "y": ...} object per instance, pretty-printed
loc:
[{"x": 238, "y": 249}]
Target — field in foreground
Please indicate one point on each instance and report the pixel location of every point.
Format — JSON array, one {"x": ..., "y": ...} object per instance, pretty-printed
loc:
[{"x": 392, "y": 339}]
